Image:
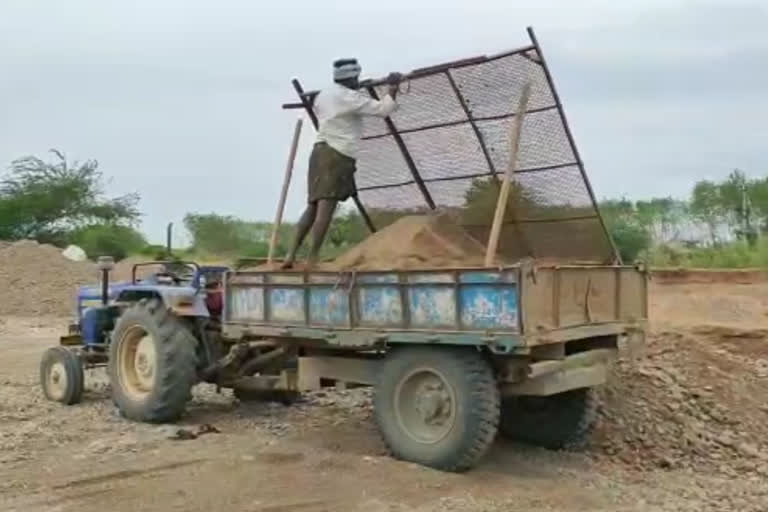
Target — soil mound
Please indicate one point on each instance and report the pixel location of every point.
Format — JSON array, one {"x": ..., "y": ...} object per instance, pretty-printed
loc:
[
  {"x": 35, "y": 279},
  {"x": 694, "y": 401},
  {"x": 417, "y": 241}
]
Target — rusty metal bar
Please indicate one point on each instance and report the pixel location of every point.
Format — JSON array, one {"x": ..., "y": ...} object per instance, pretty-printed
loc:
[
  {"x": 364, "y": 214},
  {"x": 306, "y": 103},
  {"x": 467, "y": 176},
  {"x": 530, "y": 221},
  {"x": 406, "y": 155},
  {"x": 556, "y": 297},
  {"x": 569, "y": 135},
  {"x": 468, "y": 112},
  {"x": 448, "y": 124},
  {"x": 441, "y": 68}
]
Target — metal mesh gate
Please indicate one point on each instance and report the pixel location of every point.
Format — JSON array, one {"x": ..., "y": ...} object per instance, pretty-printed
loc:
[{"x": 447, "y": 146}]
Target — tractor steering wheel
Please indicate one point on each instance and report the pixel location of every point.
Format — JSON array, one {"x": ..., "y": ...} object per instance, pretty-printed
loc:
[{"x": 167, "y": 273}]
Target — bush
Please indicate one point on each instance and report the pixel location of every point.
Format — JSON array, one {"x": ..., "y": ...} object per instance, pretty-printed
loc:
[
  {"x": 733, "y": 255},
  {"x": 630, "y": 237},
  {"x": 108, "y": 240},
  {"x": 227, "y": 235}
]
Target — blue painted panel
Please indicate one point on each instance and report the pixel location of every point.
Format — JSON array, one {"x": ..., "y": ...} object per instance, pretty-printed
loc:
[
  {"x": 380, "y": 306},
  {"x": 329, "y": 306},
  {"x": 489, "y": 307},
  {"x": 480, "y": 277},
  {"x": 246, "y": 304},
  {"x": 431, "y": 277},
  {"x": 287, "y": 305},
  {"x": 432, "y": 306},
  {"x": 377, "y": 278}
]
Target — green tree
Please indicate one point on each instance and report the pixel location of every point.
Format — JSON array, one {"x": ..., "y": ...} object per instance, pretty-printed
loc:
[
  {"x": 48, "y": 200},
  {"x": 629, "y": 226},
  {"x": 108, "y": 240},
  {"x": 707, "y": 206},
  {"x": 228, "y": 235}
]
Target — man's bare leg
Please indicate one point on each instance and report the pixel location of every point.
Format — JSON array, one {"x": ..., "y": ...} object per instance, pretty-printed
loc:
[
  {"x": 302, "y": 229},
  {"x": 325, "y": 210}
]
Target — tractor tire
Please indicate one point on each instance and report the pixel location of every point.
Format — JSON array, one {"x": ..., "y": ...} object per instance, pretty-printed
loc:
[
  {"x": 61, "y": 376},
  {"x": 152, "y": 363},
  {"x": 557, "y": 422},
  {"x": 437, "y": 406}
]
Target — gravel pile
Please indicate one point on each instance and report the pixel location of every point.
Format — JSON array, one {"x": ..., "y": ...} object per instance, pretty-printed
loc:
[{"x": 35, "y": 279}]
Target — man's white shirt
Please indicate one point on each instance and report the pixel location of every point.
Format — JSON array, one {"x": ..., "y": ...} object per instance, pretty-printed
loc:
[{"x": 340, "y": 113}]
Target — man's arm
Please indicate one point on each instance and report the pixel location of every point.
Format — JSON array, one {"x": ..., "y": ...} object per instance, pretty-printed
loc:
[
  {"x": 370, "y": 107},
  {"x": 380, "y": 108}
]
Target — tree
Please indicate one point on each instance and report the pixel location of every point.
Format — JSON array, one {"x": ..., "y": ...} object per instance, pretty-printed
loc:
[
  {"x": 225, "y": 234},
  {"x": 108, "y": 240},
  {"x": 48, "y": 200},
  {"x": 629, "y": 225},
  {"x": 707, "y": 207}
]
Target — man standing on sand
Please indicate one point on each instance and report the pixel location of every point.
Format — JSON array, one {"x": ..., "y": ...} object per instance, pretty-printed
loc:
[{"x": 331, "y": 178}]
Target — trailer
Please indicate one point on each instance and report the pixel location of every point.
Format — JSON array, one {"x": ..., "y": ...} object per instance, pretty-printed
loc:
[{"x": 453, "y": 354}]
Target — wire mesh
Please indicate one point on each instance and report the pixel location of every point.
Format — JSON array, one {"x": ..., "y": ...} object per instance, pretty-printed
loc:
[{"x": 454, "y": 124}]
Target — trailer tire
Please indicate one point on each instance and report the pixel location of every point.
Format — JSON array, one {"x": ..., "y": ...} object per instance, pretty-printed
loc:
[
  {"x": 152, "y": 363},
  {"x": 561, "y": 421},
  {"x": 61, "y": 376},
  {"x": 437, "y": 406}
]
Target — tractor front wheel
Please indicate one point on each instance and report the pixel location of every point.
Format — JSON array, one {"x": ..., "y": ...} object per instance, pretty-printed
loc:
[
  {"x": 61, "y": 376},
  {"x": 152, "y": 363}
]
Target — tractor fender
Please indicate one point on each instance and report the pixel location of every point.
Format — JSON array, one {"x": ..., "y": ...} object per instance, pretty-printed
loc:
[{"x": 184, "y": 302}]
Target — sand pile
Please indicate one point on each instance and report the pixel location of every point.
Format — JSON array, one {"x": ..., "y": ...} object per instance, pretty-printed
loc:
[
  {"x": 35, "y": 279},
  {"x": 695, "y": 401},
  {"x": 416, "y": 241}
]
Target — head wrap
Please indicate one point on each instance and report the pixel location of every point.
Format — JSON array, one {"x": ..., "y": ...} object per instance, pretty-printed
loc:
[{"x": 344, "y": 69}]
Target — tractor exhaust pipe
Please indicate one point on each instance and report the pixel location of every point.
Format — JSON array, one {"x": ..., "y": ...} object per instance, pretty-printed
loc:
[
  {"x": 168, "y": 239},
  {"x": 105, "y": 264}
]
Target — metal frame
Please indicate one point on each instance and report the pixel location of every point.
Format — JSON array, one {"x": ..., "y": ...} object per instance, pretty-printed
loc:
[{"x": 533, "y": 53}]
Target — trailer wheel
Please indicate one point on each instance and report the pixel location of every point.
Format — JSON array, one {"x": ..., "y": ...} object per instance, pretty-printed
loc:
[
  {"x": 152, "y": 363},
  {"x": 61, "y": 376},
  {"x": 437, "y": 406},
  {"x": 561, "y": 421}
]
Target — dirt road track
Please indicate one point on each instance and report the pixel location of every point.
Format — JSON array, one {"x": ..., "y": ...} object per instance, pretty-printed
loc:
[{"x": 324, "y": 454}]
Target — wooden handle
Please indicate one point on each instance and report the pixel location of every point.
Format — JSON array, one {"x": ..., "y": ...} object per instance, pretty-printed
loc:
[
  {"x": 284, "y": 192},
  {"x": 501, "y": 204}
]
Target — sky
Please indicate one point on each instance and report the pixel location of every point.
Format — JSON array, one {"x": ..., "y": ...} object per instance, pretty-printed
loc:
[{"x": 180, "y": 100}]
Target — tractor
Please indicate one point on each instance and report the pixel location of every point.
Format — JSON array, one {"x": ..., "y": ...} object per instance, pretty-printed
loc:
[{"x": 158, "y": 336}]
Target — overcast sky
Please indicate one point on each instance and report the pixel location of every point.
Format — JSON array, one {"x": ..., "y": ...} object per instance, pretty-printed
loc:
[{"x": 179, "y": 100}]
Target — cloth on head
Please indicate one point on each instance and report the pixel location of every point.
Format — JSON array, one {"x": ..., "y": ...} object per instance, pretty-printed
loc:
[{"x": 346, "y": 70}]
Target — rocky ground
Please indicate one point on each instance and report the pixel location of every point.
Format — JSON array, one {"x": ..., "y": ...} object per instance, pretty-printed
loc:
[{"x": 683, "y": 426}]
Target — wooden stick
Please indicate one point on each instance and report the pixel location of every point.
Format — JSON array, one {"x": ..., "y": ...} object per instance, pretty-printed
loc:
[
  {"x": 284, "y": 192},
  {"x": 501, "y": 204}
]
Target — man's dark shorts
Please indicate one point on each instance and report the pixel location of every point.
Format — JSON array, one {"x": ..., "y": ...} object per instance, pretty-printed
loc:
[{"x": 331, "y": 174}]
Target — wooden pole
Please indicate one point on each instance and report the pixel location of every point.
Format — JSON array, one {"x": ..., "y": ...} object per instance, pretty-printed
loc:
[
  {"x": 514, "y": 145},
  {"x": 284, "y": 192}
]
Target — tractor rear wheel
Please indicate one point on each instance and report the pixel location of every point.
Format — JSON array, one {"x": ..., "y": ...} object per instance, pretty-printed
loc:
[
  {"x": 61, "y": 376},
  {"x": 152, "y": 363},
  {"x": 437, "y": 406}
]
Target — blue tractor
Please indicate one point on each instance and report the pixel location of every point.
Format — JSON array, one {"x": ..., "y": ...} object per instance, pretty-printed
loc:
[{"x": 158, "y": 336}]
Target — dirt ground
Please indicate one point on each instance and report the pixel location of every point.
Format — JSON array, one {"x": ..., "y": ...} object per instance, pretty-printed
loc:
[{"x": 683, "y": 426}]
